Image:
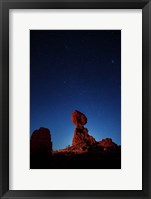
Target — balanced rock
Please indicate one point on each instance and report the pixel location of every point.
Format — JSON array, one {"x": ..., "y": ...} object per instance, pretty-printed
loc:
[{"x": 78, "y": 119}]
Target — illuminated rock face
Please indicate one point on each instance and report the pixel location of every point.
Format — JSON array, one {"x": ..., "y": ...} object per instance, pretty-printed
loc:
[
  {"x": 78, "y": 119},
  {"x": 107, "y": 143},
  {"x": 81, "y": 136}
]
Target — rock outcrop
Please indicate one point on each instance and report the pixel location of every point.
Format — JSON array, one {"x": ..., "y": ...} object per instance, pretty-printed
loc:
[
  {"x": 81, "y": 136},
  {"x": 40, "y": 148},
  {"x": 107, "y": 144},
  {"x": 85, "y": 151},
  {"x": 81, "y": 140},
  {"x": 40, "y": 141}
]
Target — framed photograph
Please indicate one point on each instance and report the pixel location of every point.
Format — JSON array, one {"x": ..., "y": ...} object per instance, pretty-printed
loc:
[{"x": 75, "y": 99}]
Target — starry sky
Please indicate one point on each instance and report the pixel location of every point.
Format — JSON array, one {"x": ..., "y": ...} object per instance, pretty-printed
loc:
[{"x": 75, "y": 70}]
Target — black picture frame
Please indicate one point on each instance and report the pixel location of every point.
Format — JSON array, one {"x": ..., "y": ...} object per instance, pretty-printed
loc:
[{"x": 5, "y": 5}]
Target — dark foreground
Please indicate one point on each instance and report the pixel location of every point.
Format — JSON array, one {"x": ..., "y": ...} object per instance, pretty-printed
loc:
[{"x": 67, "y": 160}]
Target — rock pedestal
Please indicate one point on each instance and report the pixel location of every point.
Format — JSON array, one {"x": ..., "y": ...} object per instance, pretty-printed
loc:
[{"x": 81, "y": 136}]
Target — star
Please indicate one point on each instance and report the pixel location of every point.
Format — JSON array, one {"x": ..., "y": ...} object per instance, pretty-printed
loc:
[{"x": 113, "y": 61}]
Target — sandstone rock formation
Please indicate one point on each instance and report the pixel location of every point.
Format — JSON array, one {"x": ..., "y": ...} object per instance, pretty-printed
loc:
[
  {"x": 81, "y": 139},
  {"x": 84, "y": 151},
  {"x": 81, "y": 136},
  {"x": 78, "y": 119},
  {"x": 40, "y": 149},
  {"x": 107, "y": 144},
  {"x": 40, "y": 141}
]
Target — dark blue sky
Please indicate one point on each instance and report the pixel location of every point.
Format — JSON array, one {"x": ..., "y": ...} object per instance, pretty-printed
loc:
[{"x": 75, "y": 70}]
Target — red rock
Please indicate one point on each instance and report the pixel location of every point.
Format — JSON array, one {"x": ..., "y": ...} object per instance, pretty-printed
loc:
[
  {"x": 40, "y": 141},
  {"x": 78, "y": 119},
  {"x": 81, "y": 136},
  {"x": 107, "y": 143}
]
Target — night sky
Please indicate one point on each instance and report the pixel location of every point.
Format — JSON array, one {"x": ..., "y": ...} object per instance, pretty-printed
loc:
[{"x": 75, "y": 70}]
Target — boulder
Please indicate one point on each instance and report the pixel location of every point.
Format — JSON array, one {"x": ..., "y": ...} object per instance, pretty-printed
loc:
[{"x": 78, "y": 119}]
